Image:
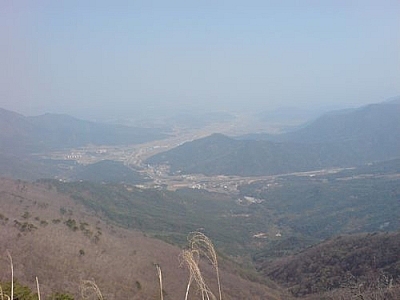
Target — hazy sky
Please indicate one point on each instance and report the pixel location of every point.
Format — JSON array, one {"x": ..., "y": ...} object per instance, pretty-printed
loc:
[{"x": 127, "y": 57}]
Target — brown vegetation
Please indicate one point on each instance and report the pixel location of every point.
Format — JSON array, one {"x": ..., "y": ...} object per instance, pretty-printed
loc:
[
  {"x": 348, "y": 265},
  {"x": 70, "y": 244}
]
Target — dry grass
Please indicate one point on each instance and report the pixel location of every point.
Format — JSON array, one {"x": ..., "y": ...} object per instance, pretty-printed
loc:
[
  {"x": 199, "y": 246},
  {"x": 122, "y": 263},
  {"x": 90, "y": 290}
]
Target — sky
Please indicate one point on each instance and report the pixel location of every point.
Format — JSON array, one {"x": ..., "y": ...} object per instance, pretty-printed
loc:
[{"x": 96, "y": 59}]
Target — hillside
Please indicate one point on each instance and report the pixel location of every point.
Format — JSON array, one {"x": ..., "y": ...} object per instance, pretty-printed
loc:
[
  {"x": 53, "y": 237},
  {"x": 107, "y": 171},
  {"x": 346, "y": 262},
  {"x": 25, "y": 167},
  {"x": 53, "y": 217},
  {"x": 66, "y": 217},
  {"x": 357, "y": 200},
  {"x": 346, "y": 138},
  {"x": 364, "y": 199}
]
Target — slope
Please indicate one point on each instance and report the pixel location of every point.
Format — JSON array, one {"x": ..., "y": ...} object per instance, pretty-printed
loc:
[
  {"x": 51, "y": 236},
  {"x": 372, "y": 260}
]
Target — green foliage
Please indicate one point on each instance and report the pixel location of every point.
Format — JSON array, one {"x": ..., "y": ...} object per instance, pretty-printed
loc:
[
  {"x": 168, "y": 215},
  {"x": 21, "y": 292},
  {"x": 66, "y": 211},
  {"x": 60, "y": 296},
  {"x": 332, "y": 205},
  {"x": 25, "y": 226},
  {"x": 71, "y": 223}
]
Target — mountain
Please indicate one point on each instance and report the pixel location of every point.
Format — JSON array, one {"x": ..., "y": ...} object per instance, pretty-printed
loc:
[
  {"x": 337, "y": 139},
  {"x": 20, "y": 134},
  {"x": 355, "y": 264},
  {"x": 17, "y": 132},
  {"x": 375, "y": 126},
  {"x": 219, "y": 154},
  {"x": 54, "y": 237}
]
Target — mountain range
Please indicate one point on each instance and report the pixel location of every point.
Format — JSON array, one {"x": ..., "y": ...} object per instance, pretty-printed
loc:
[
  {"x": 22, "y": 137},
  {"x": 337, "y": 139},
  {"x": 21, "y": 134},
  {"x": 100, "y": 226}
]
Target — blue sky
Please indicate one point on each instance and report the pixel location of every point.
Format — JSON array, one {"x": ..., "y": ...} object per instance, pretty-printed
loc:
[{"x": 127, "y": 58}]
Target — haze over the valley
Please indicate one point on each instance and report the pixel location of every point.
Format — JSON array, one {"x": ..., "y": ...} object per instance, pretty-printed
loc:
[{"x": 108, "y": 60}]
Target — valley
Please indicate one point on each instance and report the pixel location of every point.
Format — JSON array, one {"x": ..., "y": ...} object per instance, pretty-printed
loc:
[
  {"x": 212, "y": 150},
  {"x": 134, "y": 156},
  {"x": 262, "y": 199}
]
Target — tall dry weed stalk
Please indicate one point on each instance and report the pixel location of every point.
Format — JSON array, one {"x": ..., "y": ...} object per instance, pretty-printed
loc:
[
  {"x": 159, "y": 273},
  {"x": 191, "y": 259},
  {"x": 37, "y": 287},
  {"x": 12, "y": 274},
  {"x": 90, "y": 290},
  {"x": 200, "y": 246}
]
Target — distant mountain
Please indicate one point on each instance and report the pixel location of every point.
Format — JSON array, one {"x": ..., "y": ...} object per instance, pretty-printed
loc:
[
  {"x": 344, "y": 138},
  {"x": 363, "y": 124},
  {"x": 20, "y": 134},
  {"x": 17, "y": 133}
]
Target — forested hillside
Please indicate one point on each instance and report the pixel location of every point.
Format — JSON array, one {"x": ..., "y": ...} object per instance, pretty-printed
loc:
[{"x": 359, "y": 264}]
